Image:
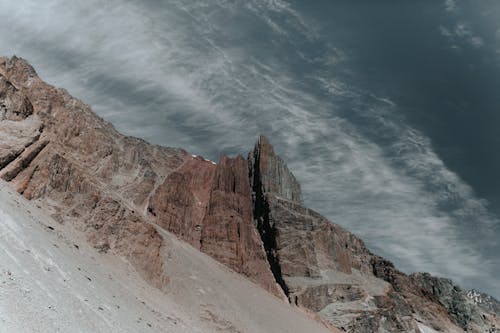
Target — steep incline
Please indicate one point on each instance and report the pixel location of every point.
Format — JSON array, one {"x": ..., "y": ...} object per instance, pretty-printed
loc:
[
  {"x": 324, "y": 268},
  {"x": 248, "y": 214},
  {"x": 56, "y": 152},
  {"x": 51, "y": 280},
  {"x": 109, "y": 185}
]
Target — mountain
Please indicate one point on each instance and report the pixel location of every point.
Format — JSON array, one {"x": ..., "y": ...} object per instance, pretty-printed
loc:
[
  {"x": 52, "y": 280},
  {"x": 128, "y": 197}
]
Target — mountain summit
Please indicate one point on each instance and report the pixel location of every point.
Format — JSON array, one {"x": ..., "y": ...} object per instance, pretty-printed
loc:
[{"x": 128, "y": 197}]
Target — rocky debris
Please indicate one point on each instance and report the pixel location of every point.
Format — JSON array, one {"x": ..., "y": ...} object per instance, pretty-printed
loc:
[
  {"x": 67, "y": 296},
  {"x": 246, "y": 213},
  {"x": 62, "y": 153},
  {"x": 484, "y": 301},
  {"x": 116, "y": 185},
  {"x": 463, "y": 306},
  {"x": 324, "y": 268},
  {"x": 13, "y": 104}
]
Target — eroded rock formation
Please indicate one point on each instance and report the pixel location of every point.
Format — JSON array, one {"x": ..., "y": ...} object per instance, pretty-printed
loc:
[
  {"x": 246, "y": 213},
  {"x": 324, "y": 268}
]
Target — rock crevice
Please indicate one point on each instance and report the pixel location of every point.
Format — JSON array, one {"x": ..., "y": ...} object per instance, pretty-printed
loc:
[
  {"x": 267, "y": 231},
  {"x": 246, "y": 213}
]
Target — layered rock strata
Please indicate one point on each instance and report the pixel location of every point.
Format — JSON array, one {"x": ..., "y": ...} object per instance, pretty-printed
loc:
[
  {"x": 117, "y": 188},
  {"x": 246, "y": 213}
]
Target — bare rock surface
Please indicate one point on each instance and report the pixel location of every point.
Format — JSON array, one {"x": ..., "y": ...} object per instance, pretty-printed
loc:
[
  {"x": 13, "y": 104},
  {"x": 228, "y": 233},
  {"x": 273, "y": 172},
  {"x": 484, "y": 301},
  {"x": 129, "y": 197},
  {"x": 324, "y": 268},
  {"x": 52, "y": 280},
  {"x": 472, "y": 311},
  {"x": 179, "y": 204},
  {"x": 83, "y": 169}
]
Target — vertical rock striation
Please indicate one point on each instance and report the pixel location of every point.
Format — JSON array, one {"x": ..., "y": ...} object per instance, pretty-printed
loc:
[
  {"x": 246, "y": 213},
  {"x": 210, "y": 207},
  {"x": 228, "y": 233},
  {"x": 271, "y": 173},
  {"x": 324, "y": 268},
  {"x": 180, "y": 203},
  {"x": 54, "y": 149},
  {"x": 13, "y": 104}
]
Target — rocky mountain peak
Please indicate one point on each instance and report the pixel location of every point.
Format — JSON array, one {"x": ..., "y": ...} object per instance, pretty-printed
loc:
[
  {"x": 17, "y": 66},
  {"x": 272, "y": 171},
  {"x": 248, "y": 214},
  {"x": 484, "y": 301}
]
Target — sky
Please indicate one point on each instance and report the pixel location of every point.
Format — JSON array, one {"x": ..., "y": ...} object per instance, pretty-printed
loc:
[{"x": 388, "y": 112}]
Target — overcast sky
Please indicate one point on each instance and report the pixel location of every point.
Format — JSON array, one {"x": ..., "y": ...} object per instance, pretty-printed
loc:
[{"x": 388, "y": 112}]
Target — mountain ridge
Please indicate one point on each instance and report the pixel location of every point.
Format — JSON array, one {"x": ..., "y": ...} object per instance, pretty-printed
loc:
[{"x": 246, "y": 213}]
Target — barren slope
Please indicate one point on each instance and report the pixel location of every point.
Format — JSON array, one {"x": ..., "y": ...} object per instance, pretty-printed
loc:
[
  {"x": 129, "y": 198},
  {"x": 52, "y": 281}
]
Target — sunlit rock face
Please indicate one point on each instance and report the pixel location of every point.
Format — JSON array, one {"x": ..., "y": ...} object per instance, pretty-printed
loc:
[
  {"x": 61, "y": 152},
  {"x": 323, "y": 267},
  {"x": 247, "y": 213},
  {"x": 397, "y": 127}
]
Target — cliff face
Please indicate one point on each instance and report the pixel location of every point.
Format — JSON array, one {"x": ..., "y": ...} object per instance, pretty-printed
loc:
[
  {"x": 322, "y": 267},
  {"x": 470, "y": 310},
  {"x": 246, "y": 213},
  {"x": 328, "y": 270},
  {"x": 118, "y": 188},
  {"x": 56, "y": 151}
]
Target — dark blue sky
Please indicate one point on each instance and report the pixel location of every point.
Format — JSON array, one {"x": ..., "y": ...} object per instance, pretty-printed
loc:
[
  {"x": 387, "y": 111},
  {"x": 445, "y": 88}
]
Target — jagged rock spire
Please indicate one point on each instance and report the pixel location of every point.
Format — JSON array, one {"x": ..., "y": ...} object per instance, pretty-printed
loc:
[{"x": 272, "y": 171}]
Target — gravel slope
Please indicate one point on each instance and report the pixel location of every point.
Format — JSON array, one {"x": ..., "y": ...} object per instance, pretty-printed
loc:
[{"x": 52, "y": 281}]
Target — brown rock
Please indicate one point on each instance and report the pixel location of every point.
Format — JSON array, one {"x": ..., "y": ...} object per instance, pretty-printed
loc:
[
  {"x": 273, "y": 172},
  {"x": 118, "y": 190},
  {"x": 13, "y": 104},
  {"x": 324, "y": 268},
  {"x": 62, "y": 153},
  {"x": 228, "y": 233},
  {"x": 180, "y": 203}
]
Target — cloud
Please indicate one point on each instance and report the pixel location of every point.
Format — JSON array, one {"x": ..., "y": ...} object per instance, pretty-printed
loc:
[
  {"x": 210, "y": 76},
  {"x": 445, "y": 32},
  {"x": 462, "y": 32},
  {"x": 392, "y": 195},
  {"x": 450, "y": 6}
]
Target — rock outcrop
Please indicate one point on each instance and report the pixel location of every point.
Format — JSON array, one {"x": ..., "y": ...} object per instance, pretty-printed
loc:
[
  {"x": 228, "y": 233},
  {"x": 470, "y": 310},
  {"x": 118, "y": 188},
  {"x": 246, "y": 213},
  {"x": 484, "y": 301},
  {"x": 13, "y": 104},
  {"x": 57, "y": 151},
  {"x": 179, "y": 204},
  {"x": 326, "y": 269}
]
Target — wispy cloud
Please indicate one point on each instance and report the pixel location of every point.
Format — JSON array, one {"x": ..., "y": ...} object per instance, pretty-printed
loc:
[
  {"x": 210, "y": 76},
  {"x": 450, "y": 6},
  {"x": 462, "y": 33}
]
